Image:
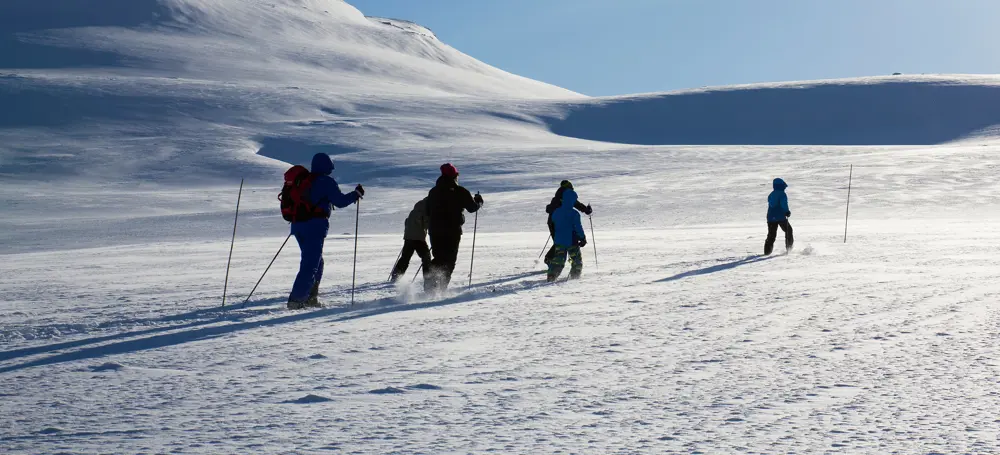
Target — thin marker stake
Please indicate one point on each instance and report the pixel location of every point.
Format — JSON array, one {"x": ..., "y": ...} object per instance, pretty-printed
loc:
[{"x": 847, "y": 214}]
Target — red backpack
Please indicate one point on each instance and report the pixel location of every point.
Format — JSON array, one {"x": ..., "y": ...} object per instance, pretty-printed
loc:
[{"x": 296, "y": 206}]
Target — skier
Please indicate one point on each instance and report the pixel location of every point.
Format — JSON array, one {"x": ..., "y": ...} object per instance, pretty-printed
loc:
[
  {"x": 414, "y": 239},
  {"x": 557, "y": 201},
  {"x": 445, "y": 204},
  {"x": 777, "y": 216},
  {"x": 568, "y": 239},
  {"x": 310, "y": 233}
]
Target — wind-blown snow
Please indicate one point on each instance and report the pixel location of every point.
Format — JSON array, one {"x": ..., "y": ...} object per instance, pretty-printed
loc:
[{"x": 125, "y": 131}]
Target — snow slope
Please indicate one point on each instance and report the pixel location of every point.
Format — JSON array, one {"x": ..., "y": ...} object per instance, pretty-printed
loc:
[
  {"x": 125, "y": 132},
  {"x": 682, "y": 342},
  {"x": 891, "y": 110},
  {"x": 138, "y": 121},
  {"x": 168, "y": 98}
]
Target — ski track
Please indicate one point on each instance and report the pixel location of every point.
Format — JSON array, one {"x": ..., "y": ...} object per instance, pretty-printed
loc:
[{"x": 883, "y": 345}]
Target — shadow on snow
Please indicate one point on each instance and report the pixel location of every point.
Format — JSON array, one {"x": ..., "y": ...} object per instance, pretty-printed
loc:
[
  {"x": 715, "y": 268},
  {"x": 201, "y": 313},
  {"x": 182, "y": 335},
  {"x": 203, "y": 316}
]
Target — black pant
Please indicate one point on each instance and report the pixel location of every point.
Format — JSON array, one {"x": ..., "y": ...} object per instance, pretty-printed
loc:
[
  {"x": 409, "y": 247},
  {"x": 772, "y": 233},
  {"x": 445, "y": 249},
  {"x": 552, "y": 233}
]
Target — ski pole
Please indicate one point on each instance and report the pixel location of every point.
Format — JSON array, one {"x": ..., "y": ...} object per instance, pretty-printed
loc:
[
  {"x": 225, "y": 286},
  {"x": 593, "y": 238},
  {"x": 414, "y": 280},
  {"x": 265, "y": 271},
  {"x": 354, "y": 275},
  {"x": 544, "y": 247},
  {"x": 850, "y": 177},
  {"x": 394, "y": 263},
  {"x": 475, "y": 227}
]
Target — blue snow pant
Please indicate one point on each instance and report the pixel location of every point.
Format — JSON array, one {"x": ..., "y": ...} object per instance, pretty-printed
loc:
[{"x": 310, "y": 235}]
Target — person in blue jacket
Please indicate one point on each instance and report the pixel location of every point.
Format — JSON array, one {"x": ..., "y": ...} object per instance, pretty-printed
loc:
[
  {"x": 311, "y": 234},
  {"x": 569, "y": 238},
  {"x": 777, "y": 216}
]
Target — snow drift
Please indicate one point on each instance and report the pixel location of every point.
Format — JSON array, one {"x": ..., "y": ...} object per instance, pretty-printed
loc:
[{"x": 897, "y": 110}]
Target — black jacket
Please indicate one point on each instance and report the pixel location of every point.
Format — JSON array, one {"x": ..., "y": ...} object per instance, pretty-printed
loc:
[{"x": 445, "y": 204}]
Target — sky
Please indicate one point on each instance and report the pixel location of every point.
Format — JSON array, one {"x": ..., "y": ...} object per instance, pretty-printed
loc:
[{"x": 617, "y": 47}]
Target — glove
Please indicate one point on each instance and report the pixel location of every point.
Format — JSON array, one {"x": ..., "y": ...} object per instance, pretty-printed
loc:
[
  {"x": 589, "y": 211},
  {"x": 788, "y": 214},
  {"x": 478, "y": 199},
  {"x": 360, "y": 190},
  {"x": 581, "y": 243}
]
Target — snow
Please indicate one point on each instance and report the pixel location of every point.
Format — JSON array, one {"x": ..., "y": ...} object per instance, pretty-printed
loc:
[
  {"x": 891, "y": 110},
  {"x": 125, "y": 134},
  {"x": 887, "y": 343}
]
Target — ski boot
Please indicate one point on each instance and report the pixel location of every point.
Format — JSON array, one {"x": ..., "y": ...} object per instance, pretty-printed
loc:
[{"x": 313, "y": 300}]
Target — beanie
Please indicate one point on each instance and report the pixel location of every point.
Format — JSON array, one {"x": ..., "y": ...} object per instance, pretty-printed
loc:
[{"x": 449, "y": 170}]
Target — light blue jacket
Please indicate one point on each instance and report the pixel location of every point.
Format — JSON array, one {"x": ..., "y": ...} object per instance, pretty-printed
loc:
[
  {"x": 777, "y": 203},
  {"x": 567, "y": 221}
]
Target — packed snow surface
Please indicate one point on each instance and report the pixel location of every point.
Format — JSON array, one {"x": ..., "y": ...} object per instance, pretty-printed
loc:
[{"x": 125, "y": 131}]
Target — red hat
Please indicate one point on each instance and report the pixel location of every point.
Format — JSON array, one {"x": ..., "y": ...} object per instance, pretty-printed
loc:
[{"x": 449, "y": 170}]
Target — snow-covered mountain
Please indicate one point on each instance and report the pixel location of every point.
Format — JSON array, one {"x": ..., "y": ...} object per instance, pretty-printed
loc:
[
  {"x": 126, "y": 126},
  {"x": 200, "y": 87},
  {"x": 165, "y": 97},
  {"x": 322, "y": 43},
  {"x": 169, "y": 98},
  {"x": 887, "y": 110}
]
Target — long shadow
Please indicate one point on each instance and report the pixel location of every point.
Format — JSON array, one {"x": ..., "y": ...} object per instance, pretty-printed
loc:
[
  {"x": 508, "y": 279},
  {"x": 374, "y": 308},
  {"x": 222, "y": 315},
  {"x": 715, "y": 268},
  {"x": 478, "y": 293},
  {"x": 214, "y": 315}
]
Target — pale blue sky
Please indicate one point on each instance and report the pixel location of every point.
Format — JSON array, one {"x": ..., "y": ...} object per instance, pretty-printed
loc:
[{"x": 608, "y": 47}]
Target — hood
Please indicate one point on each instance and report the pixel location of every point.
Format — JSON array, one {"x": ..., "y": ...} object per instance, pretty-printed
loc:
[
  {"x": 780, "y": 185},
  {"x": 322, "y": 164},
  {"x": 569, "y": 198},
  {"x": 446, "y": 181}
]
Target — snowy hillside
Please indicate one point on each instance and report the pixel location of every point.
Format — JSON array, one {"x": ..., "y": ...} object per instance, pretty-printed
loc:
[
  {"x": 170, "y": 102},
  {"x": 125, "y": 131},
  {"x": 166, "y": 97},
  {"x": 201, "y": 87},
  {"x": 892, "y": 110}
]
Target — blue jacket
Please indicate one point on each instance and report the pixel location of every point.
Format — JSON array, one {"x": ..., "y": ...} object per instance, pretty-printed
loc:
[
  {"x": 777, "y": 203},
  {"x": 325, "y": 193},
  {"x": 567, "y": 221}
]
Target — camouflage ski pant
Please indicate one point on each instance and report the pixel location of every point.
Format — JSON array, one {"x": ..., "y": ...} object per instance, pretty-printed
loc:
[{"x": 558, "y": 262}]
